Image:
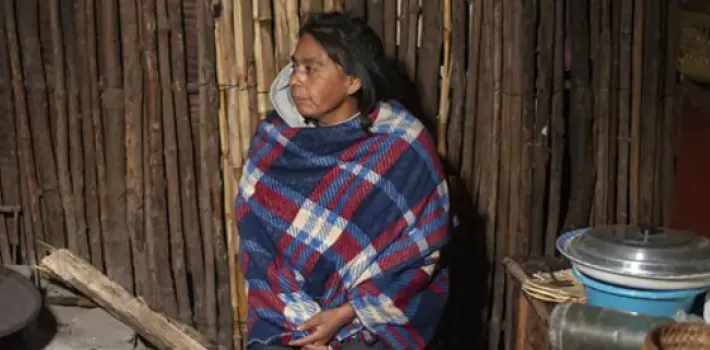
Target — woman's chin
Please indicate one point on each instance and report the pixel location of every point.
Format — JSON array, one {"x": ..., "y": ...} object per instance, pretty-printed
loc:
[{"x": 306, "y": 112}]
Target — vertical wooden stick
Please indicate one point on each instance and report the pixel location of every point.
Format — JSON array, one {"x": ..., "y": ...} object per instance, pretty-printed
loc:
[
  {"x": 133, "y": 119},
  {"x": 76, "y": 147},
  {"x": 174, "y": 203},
  {"x": 263, "y": 54},
  {"x": 286, "y": 14},
  {"x": 33, "y": 75},
  {"x": 97, "y": 240},
  {"x": 116, "y": 240},
  {"x": 25, "y": 154},
  {"x": 243, "y": 76},
  {"x": 9, "y": 172},
  {"x": 186, "y": 160},
  {"x": 445, "y": 80},
  {"x": 206, "y": 74},
  {"x": 557, "y": 131},
  {"x": 636, "y": 85},
  {"x": 455, "y": 133},
  {"x": 429, "y": 66},
  {"x": 407, "y": 52},
  {"x": 547, "y": 30},
  {"x": 87, "y": 101},
  {"x": 62, "y": 132},
  {"x": 494, "y": 209},
  {"x": 669, "y": 121},
  {"x": 156, "y": 225}
]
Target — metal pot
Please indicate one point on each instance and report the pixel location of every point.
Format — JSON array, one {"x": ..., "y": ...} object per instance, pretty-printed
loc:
[
  {"x": 20, "y": 303},
  {"x": 639, "y": 257}
]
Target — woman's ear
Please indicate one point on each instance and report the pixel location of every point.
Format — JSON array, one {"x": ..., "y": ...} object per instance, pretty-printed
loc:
[{"x": 353, "y": 85}]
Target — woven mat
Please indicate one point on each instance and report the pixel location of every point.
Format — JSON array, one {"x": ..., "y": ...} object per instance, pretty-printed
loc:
[{"x": 560, "y": 289}]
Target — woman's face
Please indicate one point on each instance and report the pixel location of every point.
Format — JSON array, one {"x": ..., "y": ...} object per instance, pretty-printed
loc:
[{"x": 320, "y": 89}]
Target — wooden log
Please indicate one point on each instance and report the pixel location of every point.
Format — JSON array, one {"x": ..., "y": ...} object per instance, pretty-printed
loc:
[
  {"x": 86, "y": 38},
  {"x": 263, "y": 54},
  {"x": 509, "y": 148},
  {"x": 242, "y": 75},
  {"x": 496, "y": 206},
  {"x": 117, "y": 249},
  {"x": 580, "y": 121},
  {"x": 602, "y": 112},
  {"x": 476, "y": 101},
  {"x": 189, "y": 9},
  {"x": 185, "y": 144},
  {"x": 8, "y": 155},
  {"x": 522, "y": 181},
  {"x": 28, "y": 178},
  {"x": 428, "y": 70},
  {"x": 230, "y": 147},
  {"x": 133, "y": 124},
  {"x": 156, "y": 229},
  {"x": 207, "y": 149},
  {"x": 186, "y": 159},
  {"x": 455, "y": 132},
  {"x": 233, "y": 32},
  {"x": 170, "y": 147},
  {"x": 637, "y": 71},
  {"x": 557, "y": 131},
  {"x": 99, "y": 156},
  {"x": 157, "y": 329},
  {"x": 625, "y": 25},
  {"x": 612, "y": 9},
  {"x": 389, "y": 31},
  {"x": 35, "y": 85},
  {"x": 669, "y": 121},
  {"x": 528, "y": 188},
  {"x": 45, "y": 33},
  {"x": 407, "y": 52},
  {"x": 308, "y": 7},
  {"x": 74, "y": 110},
  {"x": 62, "y": 122},
  {"x": 650, "y": 110},
  {"x": 545, "y": 70},
  {"x": 484, "y": 188},
  {"x": 286, "y": 31},
  {"x": 445, "y": 95}
]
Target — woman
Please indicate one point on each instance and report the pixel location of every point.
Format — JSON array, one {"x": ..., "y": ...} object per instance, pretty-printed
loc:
[{"x": 343, "y": 208}]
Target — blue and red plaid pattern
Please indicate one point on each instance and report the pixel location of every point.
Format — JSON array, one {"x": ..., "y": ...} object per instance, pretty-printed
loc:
[{"x": 331, "y": 215}]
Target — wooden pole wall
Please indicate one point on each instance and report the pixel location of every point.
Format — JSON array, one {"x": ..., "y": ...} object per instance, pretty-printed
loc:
[{"x": 124, "y": 127}]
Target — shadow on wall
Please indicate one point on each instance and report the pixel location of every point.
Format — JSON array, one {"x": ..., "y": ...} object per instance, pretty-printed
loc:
[
  {"x": 461, "y": 326},
  {"x": 462, "y": 323}
]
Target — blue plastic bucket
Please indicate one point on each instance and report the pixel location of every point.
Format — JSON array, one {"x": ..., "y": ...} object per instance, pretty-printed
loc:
[{"x": 642, "y": 301}]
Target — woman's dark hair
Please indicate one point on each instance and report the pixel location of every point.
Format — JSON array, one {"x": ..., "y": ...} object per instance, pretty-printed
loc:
[{"x": 351, "y": 43}]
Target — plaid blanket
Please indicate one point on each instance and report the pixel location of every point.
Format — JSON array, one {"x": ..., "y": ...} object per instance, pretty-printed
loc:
[{"x": 330, "y": 215}]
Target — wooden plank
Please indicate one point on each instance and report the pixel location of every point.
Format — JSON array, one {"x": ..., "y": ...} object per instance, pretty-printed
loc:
[{"x": 157, "y": 329}]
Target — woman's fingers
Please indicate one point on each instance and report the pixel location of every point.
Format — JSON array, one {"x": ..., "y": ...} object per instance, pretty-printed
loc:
[
  {"x": 311, "y": 323},
  {"x": 309, "y": 339}
]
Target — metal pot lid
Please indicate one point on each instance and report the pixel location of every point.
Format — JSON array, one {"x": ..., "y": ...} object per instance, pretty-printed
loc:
[{"x": 640, "y": 251}]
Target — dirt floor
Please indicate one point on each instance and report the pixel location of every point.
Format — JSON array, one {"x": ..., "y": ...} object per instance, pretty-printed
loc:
[{"x": 74, "y": 328}]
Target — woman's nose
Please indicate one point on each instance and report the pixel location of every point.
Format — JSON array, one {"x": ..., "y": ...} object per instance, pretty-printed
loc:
[{"x": 296, "y": 78}]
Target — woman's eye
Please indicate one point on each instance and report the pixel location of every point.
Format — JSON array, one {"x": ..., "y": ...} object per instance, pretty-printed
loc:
[{"x": 308, "y": 69}]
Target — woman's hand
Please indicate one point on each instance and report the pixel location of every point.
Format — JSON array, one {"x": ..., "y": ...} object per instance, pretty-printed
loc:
[{"x": 324, "y": 326}]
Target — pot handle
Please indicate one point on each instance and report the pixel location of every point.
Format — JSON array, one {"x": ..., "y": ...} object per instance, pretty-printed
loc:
[{"x": 648, "y": 229}]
